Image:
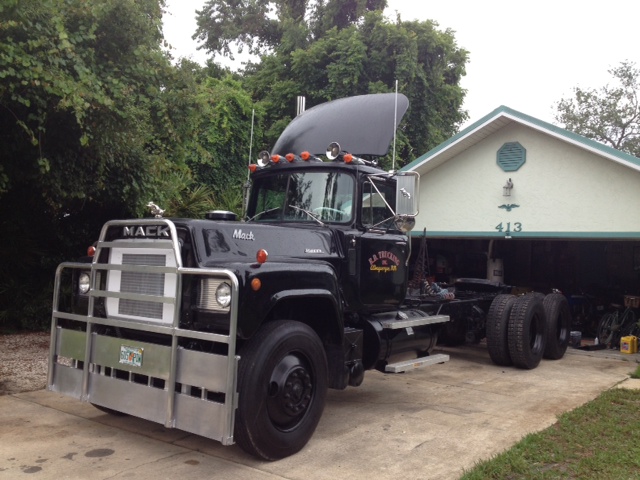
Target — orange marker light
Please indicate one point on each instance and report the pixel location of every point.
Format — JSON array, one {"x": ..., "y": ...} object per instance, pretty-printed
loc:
[
  {"x": 253, "y": 167},
  {"x": 262, "y": 256},
  {"x": 290, "y": 157},
  {"x": 305, "y": 156},
  {"x": 91, "y": 251},
  {"x": 348, "y": 158},
  {"x": 256, "y": 284},
  {"x": 275, "y": 158}
]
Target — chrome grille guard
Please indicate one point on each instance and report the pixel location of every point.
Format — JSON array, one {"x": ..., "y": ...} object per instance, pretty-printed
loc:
[{"x": 160, "y": 381}]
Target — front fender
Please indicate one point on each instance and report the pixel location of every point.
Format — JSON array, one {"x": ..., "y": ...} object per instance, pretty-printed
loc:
[{"x": 290, "y": 290}]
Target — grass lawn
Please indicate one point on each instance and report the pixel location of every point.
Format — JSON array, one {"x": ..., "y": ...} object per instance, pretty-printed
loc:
[{"x": 600, "y": 440}]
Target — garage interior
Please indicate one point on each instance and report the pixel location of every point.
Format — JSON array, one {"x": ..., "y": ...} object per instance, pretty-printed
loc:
[{"x": 595, "y": 275}]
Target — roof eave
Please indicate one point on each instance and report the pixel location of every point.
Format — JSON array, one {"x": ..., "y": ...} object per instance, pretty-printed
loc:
[{"x": 511, "y": 115}]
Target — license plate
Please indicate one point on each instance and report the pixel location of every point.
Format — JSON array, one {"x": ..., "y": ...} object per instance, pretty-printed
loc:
[{"x": 131, "y": 355}]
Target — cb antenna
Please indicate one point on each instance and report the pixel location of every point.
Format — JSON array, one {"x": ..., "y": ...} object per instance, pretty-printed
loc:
[
  {"x": 253, "y": 116},
  {"x": 247, "y": 185},
  {"x": 395, "y": 127}
]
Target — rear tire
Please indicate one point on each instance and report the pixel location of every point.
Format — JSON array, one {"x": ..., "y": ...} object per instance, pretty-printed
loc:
[
  {"x": 497, "y": 324},
  {"x": 282, "y": 385},
  {"x": 556, "y": 308},
  {"x": 527, "y": 332}
]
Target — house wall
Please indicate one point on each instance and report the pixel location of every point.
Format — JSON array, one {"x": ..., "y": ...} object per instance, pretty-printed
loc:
[{"x": 562, "y": 191}]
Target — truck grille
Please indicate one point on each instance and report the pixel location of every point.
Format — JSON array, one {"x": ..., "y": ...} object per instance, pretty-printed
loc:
[
  {"x": 142, "y": 282},
  {"x": 158, "y": 286}
]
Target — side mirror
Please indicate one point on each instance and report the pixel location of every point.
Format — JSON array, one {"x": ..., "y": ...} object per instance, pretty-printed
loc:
[{"x": 407, "y": 194}]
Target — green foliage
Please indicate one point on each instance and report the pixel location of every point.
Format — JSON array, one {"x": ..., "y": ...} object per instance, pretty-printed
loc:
[
  {"x": 263, "y": 26},
  {"x": 187, "y": 200},
  {"x": 76, "y": 78},
  {"x": 611, "y": 114},
  {"x": 224, "y": 134},
  {"x": 231, "y": 200},
  {"x": 79, "y": 84}
]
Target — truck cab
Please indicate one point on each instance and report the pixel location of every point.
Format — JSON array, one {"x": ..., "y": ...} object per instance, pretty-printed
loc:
[{"x": 353, "y": 207}]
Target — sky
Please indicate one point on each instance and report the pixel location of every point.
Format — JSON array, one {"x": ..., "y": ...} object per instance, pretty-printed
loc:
[{"x": 524, "y": 55}]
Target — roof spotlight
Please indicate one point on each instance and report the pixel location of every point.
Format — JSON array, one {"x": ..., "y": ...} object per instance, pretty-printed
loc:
[
  {"x": 333, "y": 150},
  {"x": 263, "y": 158}
]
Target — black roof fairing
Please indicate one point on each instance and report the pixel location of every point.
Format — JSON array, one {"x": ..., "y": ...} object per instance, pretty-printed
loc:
[{"x": 362, "y": 125}]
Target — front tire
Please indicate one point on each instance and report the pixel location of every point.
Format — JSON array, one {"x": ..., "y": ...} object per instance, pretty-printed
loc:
[{"x": 282, "y": 385}]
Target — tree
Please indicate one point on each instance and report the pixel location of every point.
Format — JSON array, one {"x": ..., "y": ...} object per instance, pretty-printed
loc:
[
  {"x": 81, "y": 91},
  {"x": 224, "y": 135},
  {"x": 264, "y": 25},
  {"x": 611, "y": 114},
  {"x": 78, "y": 89}
]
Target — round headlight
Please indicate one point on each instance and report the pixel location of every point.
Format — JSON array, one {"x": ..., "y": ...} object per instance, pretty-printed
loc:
[
  {"x": 223, "y": 295},
  {"x": 83, "y": 282}
]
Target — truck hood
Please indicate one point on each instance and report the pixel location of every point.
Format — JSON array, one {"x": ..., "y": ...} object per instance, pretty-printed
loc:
[
  {"x": 362, "y": 125},
  {"x": 218, "y": 243}
]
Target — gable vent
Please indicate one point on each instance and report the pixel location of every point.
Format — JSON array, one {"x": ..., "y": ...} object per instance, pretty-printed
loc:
[{"x": 511, "y": 156}]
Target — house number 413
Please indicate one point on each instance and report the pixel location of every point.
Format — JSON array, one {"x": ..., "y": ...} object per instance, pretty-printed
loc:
[{"x": 507, "y": 228}]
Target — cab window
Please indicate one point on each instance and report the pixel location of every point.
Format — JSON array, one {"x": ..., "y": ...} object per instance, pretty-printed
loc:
[{"x": 376, "y": 202}]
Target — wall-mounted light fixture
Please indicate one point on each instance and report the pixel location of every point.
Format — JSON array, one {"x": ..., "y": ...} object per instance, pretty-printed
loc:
[{"x": 506, "y": 190}]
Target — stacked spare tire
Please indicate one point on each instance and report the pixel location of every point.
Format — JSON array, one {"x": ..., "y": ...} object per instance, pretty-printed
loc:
[{"x": 521, "y": 330}]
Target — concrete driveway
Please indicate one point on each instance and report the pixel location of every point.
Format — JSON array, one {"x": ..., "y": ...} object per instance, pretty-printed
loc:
[{"x": 427, "y": 424}]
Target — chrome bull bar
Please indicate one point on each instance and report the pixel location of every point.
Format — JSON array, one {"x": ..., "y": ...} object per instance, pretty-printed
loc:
[{"x": 158, "y": 379}]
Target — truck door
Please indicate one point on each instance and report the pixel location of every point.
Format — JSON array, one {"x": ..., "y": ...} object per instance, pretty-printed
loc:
[{"x": 383, "y": 250}]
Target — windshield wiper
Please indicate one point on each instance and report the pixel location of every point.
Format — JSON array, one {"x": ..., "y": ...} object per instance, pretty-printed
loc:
[
  {"x": 263, "y": 212},
  {"x": 311, "y": 214}
]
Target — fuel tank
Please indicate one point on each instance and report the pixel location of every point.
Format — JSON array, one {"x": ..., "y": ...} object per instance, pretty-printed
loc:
[{"x": 385, "y": 343}]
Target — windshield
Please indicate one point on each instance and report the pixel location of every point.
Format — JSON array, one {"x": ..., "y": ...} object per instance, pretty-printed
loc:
[{"x": 303, "y": 197}]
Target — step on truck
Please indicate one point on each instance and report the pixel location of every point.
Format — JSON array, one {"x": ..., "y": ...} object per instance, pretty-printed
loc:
[{"x": 234, "y": 330}]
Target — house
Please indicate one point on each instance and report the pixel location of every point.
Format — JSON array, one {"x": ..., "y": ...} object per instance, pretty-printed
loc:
[{"x": 515, "y": 199}]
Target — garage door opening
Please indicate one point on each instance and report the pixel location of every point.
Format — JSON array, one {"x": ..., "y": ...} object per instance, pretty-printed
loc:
[{"x": 593, "y": 274}]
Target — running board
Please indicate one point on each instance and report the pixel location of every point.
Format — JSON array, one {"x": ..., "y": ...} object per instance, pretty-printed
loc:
[
  {"x": 416, "y": 363},
  {"x": 397, "y": 323}
]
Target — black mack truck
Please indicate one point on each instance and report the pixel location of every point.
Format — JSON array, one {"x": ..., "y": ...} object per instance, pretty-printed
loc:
[{"x": 234, "y": 330}]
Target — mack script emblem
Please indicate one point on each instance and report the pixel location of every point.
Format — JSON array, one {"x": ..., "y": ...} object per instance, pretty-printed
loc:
[
  {"x": 238, "y": 234},
  {"x": 146, "y": 231}
]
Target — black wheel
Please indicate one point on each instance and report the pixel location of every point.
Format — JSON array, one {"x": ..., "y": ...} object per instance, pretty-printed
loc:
[
  {"x": 497, "y": 324},
  {"x": 558, "y": 313},
  {"x": 628, "y": 323},
  {"x": 607, "y": 327},
  {"x": 527, "y": 331},
  {"x": 282, "y": 385}
]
